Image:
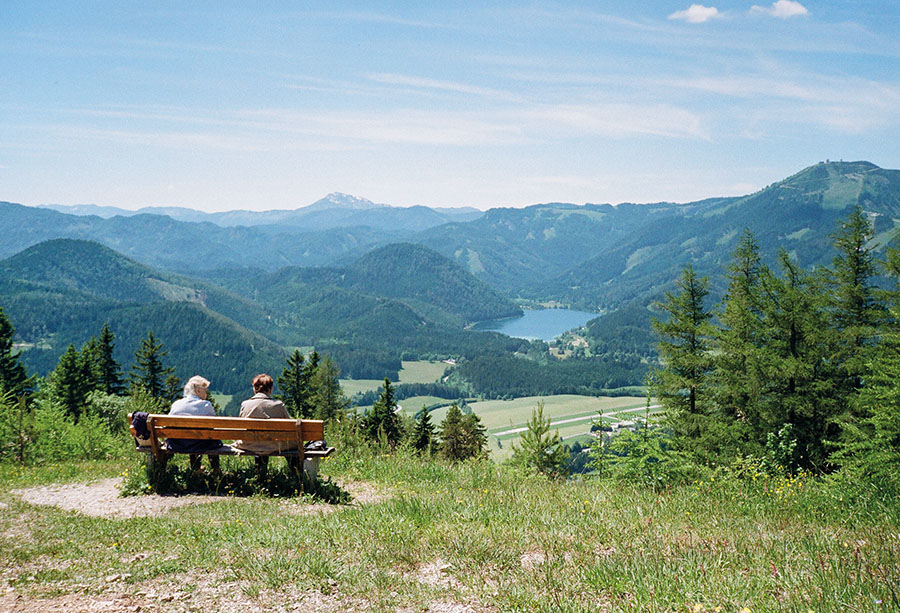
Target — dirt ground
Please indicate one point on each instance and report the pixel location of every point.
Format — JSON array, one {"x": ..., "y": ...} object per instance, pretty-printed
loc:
[
  {"x": 187, "y": 592},
  {"x": 101, "y": 499}
]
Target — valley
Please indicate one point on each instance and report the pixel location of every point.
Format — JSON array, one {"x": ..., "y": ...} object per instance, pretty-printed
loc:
[{"x": 380, "y": 289}]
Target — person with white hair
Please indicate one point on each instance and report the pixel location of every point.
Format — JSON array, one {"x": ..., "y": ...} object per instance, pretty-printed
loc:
[{"x": 194, "y": 402}]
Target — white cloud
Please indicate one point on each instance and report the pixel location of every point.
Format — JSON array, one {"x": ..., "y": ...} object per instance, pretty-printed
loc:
[
  {"x": 783, "y": 9},
  {"x": 697, "y": 13}
]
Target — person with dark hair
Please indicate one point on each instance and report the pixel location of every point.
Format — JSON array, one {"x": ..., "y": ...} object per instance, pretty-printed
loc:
[{"x": 262, "y": 406}]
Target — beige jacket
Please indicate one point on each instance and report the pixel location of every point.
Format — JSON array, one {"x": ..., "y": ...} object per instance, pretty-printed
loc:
[{"x": 261, "y": 406}]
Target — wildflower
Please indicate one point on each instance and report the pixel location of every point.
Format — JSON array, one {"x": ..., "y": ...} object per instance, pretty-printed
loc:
[
  {"x": 698, "y": 607},
  {"x": 745, "y": 610}
]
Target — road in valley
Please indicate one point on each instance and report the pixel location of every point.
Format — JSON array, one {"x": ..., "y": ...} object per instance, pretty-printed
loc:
[{"x": 583, "y": 418}]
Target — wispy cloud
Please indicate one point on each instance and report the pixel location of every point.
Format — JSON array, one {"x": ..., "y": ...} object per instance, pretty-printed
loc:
[
  {"x": 380, "y": 18},
  {"x": 697, "y": 13},
  {"x": 437, "y": 84},
  {"x": 782, "y": 9},
  {"x": 619, "y": 120}
]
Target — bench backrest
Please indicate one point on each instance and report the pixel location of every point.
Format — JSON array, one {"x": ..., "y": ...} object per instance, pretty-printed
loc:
[{"x": 232, "y": 428}]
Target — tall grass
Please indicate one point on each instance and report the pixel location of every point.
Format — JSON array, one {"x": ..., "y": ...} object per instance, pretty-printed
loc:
[{"x": 504, "y": 541}]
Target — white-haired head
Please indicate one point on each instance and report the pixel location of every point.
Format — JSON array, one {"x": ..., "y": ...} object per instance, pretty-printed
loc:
[{"x": 194, "y": 385}]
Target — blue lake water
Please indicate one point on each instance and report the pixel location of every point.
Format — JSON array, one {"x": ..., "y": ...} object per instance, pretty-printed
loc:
[{"x": 544, "y": 324}]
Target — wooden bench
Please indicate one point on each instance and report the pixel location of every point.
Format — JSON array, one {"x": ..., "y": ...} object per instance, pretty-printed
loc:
[{"x": 295, "y": 431}]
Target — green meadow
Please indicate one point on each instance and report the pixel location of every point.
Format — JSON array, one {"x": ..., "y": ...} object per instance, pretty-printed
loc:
[
  {"x": 419, "y": 371},
  {"x": 427, "y": 536}
]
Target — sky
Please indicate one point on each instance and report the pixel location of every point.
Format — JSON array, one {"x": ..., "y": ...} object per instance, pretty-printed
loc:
[{"x": 271, "y": 105}]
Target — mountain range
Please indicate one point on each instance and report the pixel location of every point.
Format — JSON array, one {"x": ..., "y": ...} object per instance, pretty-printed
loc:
[
  {"x": 61, "y": 291},
  {"x": 372, "y": 283},
  {"x": 594, "y": 256}
]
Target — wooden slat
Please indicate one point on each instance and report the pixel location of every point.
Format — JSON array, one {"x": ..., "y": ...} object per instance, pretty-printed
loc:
[
  {"x": 229, "y": 435},
  {"x": 226, "y": 450},
  {"x": 192, "y": 421},
  {"x": 313, "y": 430}
]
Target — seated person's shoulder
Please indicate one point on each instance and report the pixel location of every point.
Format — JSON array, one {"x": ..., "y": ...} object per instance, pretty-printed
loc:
[{"x": 263, "y": 407}]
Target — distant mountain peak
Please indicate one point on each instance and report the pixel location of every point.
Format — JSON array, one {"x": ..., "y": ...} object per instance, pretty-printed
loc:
[{"x": 338, "y": 200}]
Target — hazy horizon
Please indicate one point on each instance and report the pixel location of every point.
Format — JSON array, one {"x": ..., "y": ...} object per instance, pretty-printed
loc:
[{"x": 222, "y": 107}]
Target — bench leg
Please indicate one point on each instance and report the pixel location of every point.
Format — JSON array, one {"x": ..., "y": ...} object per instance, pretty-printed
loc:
[
  {"x": 295, "y": 464},
  {"x": 157, "y": 464},
  {"x": 262, "y": 466}
]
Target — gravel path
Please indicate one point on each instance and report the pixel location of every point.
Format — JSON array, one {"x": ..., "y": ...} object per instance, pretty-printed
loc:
[{"x": 101, "y": 499}]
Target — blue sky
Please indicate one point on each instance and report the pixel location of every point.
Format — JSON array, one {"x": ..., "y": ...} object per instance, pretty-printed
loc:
[{"x": 233, "y": 105}]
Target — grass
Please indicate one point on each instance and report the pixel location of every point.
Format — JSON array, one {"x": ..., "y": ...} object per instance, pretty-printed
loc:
[
  {"x": 413, "y": 404},
  {"x": 500, "y": 416},
  {"x": 411, "y": 372},
  {"x": 506, "y": 542}
]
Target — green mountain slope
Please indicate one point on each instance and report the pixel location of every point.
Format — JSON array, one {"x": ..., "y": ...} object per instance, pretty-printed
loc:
[
  {"x": 601, "y": 256},
  {"x": 62, "y": 291},
  {"x": 185, "y": 246}
]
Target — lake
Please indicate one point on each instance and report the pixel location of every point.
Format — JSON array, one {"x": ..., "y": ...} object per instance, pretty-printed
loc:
[{"x": 543, "y": 324}]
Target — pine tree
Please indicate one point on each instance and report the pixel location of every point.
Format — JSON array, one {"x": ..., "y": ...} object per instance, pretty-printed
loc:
[
  {"x": 871, "y": 448},
  {"x": 295, "y": 384},
  {"x": 382, "y": 419},
  {"x": 72, "y": 381},
  {"x": 328, "y": 399},
  {"x": 308, "y": 406},
  {"x": 738, "y": 360},
  {"x": 684, "y": 347},
  {"x": 461, "y": 436},
  {"x": 423, "y": 434},
  {"x": 539, "y": 449},
  {"x": 856, "y": 310},
  {"x": 799, "y": 377},
  {"x": 13, "y": 377},
  {"x": 109, "y": 373},
  {"x": 148, "y": 372}
]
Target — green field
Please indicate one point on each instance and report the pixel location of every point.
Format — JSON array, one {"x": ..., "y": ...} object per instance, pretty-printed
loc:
[
  {"x": 413, "y": 404},
  {"x": 501, "y": 416},
  {"x": 419, "y": 371}
]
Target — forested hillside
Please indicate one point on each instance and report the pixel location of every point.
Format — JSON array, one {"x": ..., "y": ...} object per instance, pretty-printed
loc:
[
  {"x": 600, "y": 256},
  {"x": 377, "y": 303},
  {"x": 61, "y": 292}
]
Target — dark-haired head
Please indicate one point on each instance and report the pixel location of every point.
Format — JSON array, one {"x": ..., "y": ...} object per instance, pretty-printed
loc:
[{"x": 263, "y": 384}]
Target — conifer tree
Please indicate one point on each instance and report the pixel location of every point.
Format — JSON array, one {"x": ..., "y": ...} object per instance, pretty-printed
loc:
[
  {"x": 328, "y": 399},
  {"x": 294, "y": 385},
  {"x": 13, "y": 377},
  {"x": 148, "y": 370},
  {"x": 870, "y": 449},
  {"x": 172, "y": 388},
  {"x": 738, "y": 360},
  {"x": 109, "y": 373},
  {"x": 461, "y": 436},
  {"x": 72, "y": 381},
  {"x": 539, "y": 449},
  {"x": 684, "y": 348},
  {"x": 382, "y": 420},
  {"x": 856, "y": 310},
  {"x": 308, "y": 406},
  {"x": 798, "y": 375},
  {"x": 423, "y": 434}
]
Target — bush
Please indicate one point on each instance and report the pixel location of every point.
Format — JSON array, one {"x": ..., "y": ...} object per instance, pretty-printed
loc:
[
  {"x": 644, "y": 457},
  {"x": 241, "y": 480}
]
